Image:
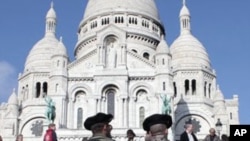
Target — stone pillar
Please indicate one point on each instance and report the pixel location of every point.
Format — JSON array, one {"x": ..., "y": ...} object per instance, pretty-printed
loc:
[{"x": 70, "y": 114}]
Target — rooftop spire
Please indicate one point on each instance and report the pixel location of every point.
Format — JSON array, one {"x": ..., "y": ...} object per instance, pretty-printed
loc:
[
  {"x": 52, "y": 4},
  {"x": 185, "y": 19},
  {"x": 51, "y": 21}
]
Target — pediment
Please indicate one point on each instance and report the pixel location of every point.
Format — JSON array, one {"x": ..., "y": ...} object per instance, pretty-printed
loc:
[{"x": 111, "y": 30}]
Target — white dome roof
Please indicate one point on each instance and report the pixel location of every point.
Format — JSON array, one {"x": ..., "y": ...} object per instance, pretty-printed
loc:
[
  {"x": 184, "y": 11},
  {"x": 61, "y": 48},
  {"x": 187, "y": 50},
  {"x": 162, "y": 47},
  {"x": 51, "y": 13},
  {"x": 144, "y": 7},
  {"x": 40, "y": 55},
  {"x": 13, "y": 99}
]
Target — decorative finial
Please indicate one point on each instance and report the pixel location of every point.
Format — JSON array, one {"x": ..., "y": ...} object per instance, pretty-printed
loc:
[
  {"x": 14, "y": 90},
  {"x": 52, "y": 4},
  {"x": 184, "y": 2},
  {"x": 218, "y": 87},
  {"x": 61, "y": 38}
]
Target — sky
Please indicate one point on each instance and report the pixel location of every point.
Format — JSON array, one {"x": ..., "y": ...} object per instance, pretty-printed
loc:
[{"x": 222, "y": 26}]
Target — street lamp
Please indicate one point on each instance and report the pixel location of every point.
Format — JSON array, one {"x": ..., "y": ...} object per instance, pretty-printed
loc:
[{"x": 218, "y": 126}]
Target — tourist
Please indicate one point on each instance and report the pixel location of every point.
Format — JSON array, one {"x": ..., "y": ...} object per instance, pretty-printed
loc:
[
  {"x": 19, "y": 137},
  {"x": 188, "y": 134},
  {"x": 157, "y": 127},
  {"x": 100, "y": 127},
  {"x": 50, "y": 134},
  {"x": 212, "y": 136},
  {"x": 130, "y": 135}
]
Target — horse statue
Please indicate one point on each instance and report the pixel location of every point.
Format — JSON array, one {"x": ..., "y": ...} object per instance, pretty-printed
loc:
[
  {"x": 166, "y": 108},
  {"x": 51, "y": 110}
]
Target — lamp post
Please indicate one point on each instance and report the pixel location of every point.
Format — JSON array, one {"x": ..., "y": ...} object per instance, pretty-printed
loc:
[{"x": 218, "y": 126}]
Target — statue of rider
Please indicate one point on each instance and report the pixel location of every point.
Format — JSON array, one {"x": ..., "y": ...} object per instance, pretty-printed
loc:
[
  {"x": 51, "y": 109},
  {"x": 166, "y": 107}
]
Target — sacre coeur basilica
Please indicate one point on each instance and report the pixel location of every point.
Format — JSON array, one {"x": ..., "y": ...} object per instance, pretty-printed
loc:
[{"x": 123, "y": 66}]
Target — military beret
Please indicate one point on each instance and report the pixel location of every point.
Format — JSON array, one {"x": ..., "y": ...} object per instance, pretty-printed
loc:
[
  {"x": 98, "y": 118},
  {"x": 157, "y": 119}
]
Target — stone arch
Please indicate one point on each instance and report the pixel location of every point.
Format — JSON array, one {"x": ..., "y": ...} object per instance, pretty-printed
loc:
[
  {"x": 109, "y": 96},
  {"x": 28, "y": 120},
  {"x": 141, "y": 85},
  {"x": 204, "y": 113},
  {"x": 80, "y": 87},
  {"x": 79, "y": 94},
  {"x": 200, "y": 122},
  {"x": 111, "y": 30},
  {"x": 106, "y": 84}
]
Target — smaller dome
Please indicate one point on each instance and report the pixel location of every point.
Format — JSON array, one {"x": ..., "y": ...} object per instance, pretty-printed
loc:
[
  {"x": 100, "y": 7},
  {"x": 13, "y": 100},
  {"x": 184, "y": 11},
  {"x": 187, "y": 50},
  {"x": 40, "y": 55},
  {"x": 162, "y": 47},
  {"x": 51, "y": 13},
  {"x": 61, "y": 50},
  {"x": 219, "y": 96}
]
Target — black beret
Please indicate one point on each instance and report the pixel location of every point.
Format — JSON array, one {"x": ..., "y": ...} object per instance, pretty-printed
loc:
[
  {"x": 98, "y": 118},
  {"x": 157, "y": 119}
]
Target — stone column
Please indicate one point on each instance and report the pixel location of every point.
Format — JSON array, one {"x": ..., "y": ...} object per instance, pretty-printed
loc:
[{"x": 70, "y": 114}]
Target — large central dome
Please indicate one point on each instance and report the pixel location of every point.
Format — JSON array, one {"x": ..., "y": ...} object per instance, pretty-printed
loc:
[{"x": 144, "y": 7}]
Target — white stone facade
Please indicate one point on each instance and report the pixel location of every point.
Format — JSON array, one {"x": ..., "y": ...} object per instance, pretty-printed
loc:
[{"x": 122, "y": 66}]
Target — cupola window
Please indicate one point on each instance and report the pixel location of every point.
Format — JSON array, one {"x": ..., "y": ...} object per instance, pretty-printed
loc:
[
  {"x": 186, "y": 87},
  {"x": 193, "y": 87},
  {"x": 205, "y": 89},
  {"x": 38, "y": 89},
  {"x": 146, "y": 55},
  {"x": 135, "y": 51},
  {"x": 175, "y": 89}
]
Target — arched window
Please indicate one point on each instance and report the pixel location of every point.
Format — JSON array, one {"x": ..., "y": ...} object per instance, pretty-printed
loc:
[
  {"x": 45, "y": 89},
  {"x": 79, "y": 118},
  {"x": 164, "y": 86},
  {"x": 209, "y": 90},
  {"x": 38, "y": 89},
  {"x": 193, "y": 87},
  {"x": 111, "y": 102},
  {"x": 186, "y": 87},
  {"x": 142, "y": 115},
  {"x": 135, "y": 51},
  {"x": 205, "y": 89},
  {"x": 146, "y": 55},
  {"x": 56, "y": 88},
  {"x": 175, "y": 89}
]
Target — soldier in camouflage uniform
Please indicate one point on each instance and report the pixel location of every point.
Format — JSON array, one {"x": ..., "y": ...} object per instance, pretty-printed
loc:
[
  {"x": 157, "y": 126},
  {"x": 100, "y": 127}
]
